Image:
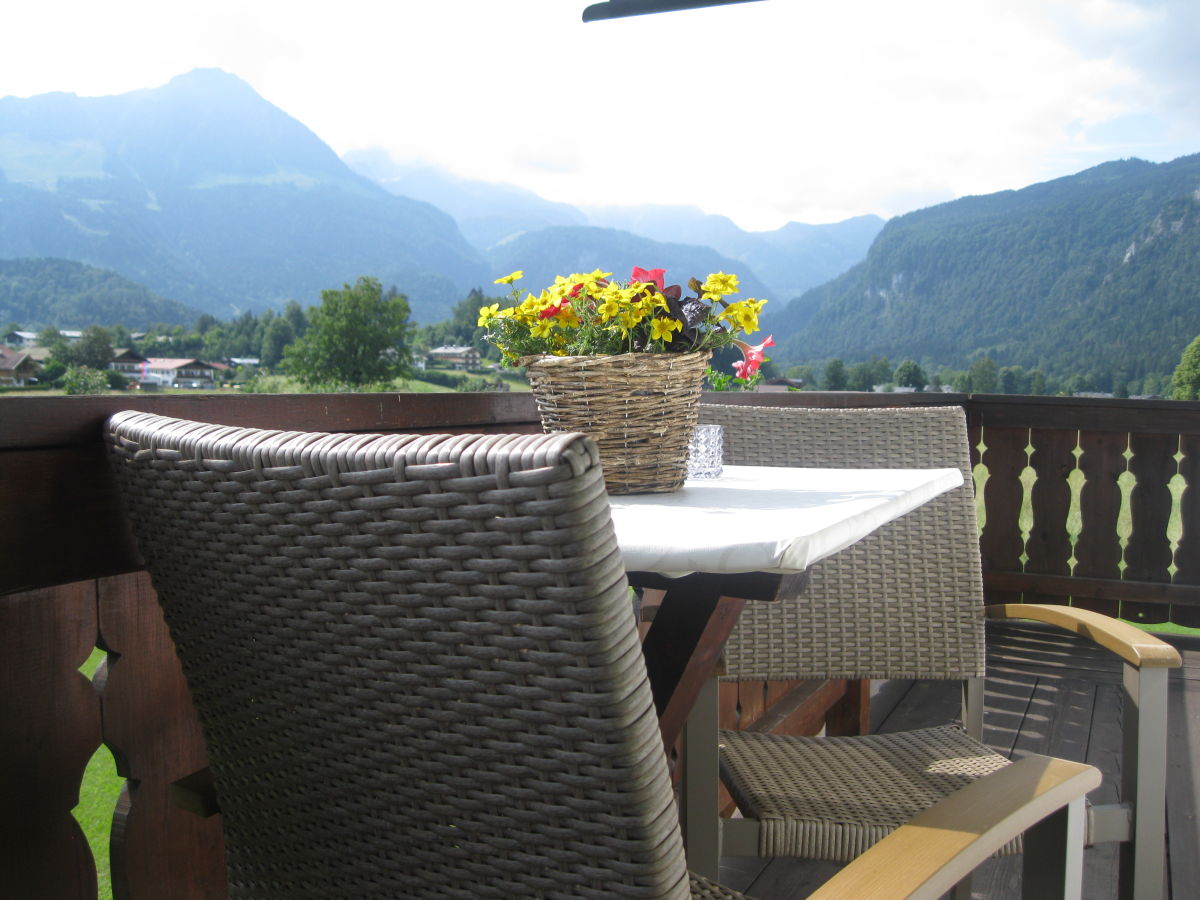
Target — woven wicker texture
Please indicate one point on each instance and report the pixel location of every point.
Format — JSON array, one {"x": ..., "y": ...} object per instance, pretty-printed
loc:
[
  {"x": 832, "y": 798},
  {"x": 905, "y": 602},
  {"x": 640, "y": 408},
  {"x": 413, "y": 658}
]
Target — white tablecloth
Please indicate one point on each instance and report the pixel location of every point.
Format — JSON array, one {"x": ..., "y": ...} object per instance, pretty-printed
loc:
[{"x": 763, "y": 519}]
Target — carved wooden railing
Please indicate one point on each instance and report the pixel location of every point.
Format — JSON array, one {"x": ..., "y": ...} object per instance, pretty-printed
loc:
[{"x": 1088, "y": 500}]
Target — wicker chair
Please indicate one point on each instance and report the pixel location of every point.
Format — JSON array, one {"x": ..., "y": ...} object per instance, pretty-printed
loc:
[
  {"x": 418, "y": 674},
  {"x": 907, "y": 602}
]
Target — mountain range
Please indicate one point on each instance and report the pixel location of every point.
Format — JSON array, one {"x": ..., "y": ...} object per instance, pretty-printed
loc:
[
  {"x": 1094, "y": 273},
  {"x": 207, "y": 194},
  {"x": 788, "y": 260}
]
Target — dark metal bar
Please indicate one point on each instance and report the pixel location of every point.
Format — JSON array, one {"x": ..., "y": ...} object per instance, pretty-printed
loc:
[{"x": 616, "y": 9}]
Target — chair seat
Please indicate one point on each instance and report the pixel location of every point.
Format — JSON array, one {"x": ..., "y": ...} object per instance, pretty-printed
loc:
[
  {"x": 833, "y": 797},
  {"x": 703, "y": 889}
]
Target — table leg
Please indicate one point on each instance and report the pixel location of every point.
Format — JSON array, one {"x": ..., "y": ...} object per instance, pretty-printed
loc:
[{"x": 682, "y": 649}]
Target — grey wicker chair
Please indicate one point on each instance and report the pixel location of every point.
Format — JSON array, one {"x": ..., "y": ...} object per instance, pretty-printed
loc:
[
  {"x": 907, "y": 602},
  {"x": 418, "y": 674}
]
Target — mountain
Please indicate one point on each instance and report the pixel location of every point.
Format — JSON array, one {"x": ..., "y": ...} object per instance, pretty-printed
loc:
[
  {"x": 36, "y": 293},
  {"x": 790, "y": 260},
  {"x": 205, "y": 192},
  {"x": 1097, "y": 272},
  {"x": 543, "y": 254},
  {"x": 486, "y": 212}
]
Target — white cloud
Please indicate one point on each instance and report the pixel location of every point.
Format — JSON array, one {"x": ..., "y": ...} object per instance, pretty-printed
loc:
[{"x": 764, "y": 112}]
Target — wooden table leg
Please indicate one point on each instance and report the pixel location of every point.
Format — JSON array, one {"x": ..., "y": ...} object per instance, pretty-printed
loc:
[{"x": 684, "y": 642}]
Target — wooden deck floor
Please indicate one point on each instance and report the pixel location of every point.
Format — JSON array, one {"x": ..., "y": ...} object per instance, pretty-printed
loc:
[{"x": 1045, "y": 694}]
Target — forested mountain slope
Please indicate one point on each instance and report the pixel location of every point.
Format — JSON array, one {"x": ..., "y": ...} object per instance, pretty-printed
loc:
[
  {"x": 1095, "y": 272},
  {"x": 35, "y": 293},
  {"x": 548, "y": 252}
]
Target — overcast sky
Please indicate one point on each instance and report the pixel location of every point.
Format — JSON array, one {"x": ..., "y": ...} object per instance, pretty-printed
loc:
[{"x": 767, "y": 112}]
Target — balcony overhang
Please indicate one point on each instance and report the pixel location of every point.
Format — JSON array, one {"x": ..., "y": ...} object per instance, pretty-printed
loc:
[{"x": 616, "y": 9}]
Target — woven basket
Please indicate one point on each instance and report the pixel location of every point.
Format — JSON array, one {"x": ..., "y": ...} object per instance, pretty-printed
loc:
[{"x": 640, "y": 408}]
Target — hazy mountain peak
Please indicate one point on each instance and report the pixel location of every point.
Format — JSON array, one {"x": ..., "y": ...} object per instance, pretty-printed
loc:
[{"x": 204, "y": 191}]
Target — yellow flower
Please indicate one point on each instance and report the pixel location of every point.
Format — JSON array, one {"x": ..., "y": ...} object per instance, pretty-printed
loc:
[
  {"x": 657, "y": 300},
  {"x": 718, "y": 285},
  {"x": 510, "y": 278},
  {"x": 542, "y": 328},
  {"x": 487, "y": 313},
  {"x": 661, "y": 328},
  {"x": 609, "y": 307}
]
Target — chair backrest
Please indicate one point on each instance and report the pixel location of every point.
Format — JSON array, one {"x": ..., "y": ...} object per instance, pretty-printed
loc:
[
  {"x": 907, "y": 601},
  {"x": 414, "y": 659}
]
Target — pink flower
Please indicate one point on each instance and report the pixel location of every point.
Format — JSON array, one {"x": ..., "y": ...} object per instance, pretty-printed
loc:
[
  {"x": 657, "y": 276},
  {"x": 752, "y": 357}
]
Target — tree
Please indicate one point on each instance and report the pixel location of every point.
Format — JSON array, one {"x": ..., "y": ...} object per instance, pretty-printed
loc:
[
  {"x": 1185, "y": 383},
  {"x": 909, "y": 374},
  {"x": 356, "y": 337},
  {"x": 834, "y": 376},
  {"x": 861, "y": 377},
  {"x": 294, "y": 313},
  {"x": 1013, "y": 380},
  {"x": 984, "y": 376},
  {"x": 461, "y": 329},
  {"x": 82, "y": 380},
  {"x": 804, "y": 374},
  {"x": 93, "y": 349},
  {"x": 51, "y": 337},
  {"x": 276, "y": 337}
]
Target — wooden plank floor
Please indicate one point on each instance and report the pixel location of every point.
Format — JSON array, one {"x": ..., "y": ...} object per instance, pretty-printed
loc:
[{"x": 1051, "y": 694}]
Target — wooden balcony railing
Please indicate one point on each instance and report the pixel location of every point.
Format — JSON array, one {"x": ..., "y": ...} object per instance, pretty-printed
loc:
[{"x": 1082, "y": 500}]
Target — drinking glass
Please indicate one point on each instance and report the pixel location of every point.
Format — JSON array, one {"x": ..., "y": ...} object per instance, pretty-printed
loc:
[{"x": 704, "y": 452}]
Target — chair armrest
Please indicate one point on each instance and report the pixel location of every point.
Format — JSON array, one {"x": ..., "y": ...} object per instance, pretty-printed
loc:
[
  {"x": 1132, "y": 644},
  {"x": 941, "y": 846}
]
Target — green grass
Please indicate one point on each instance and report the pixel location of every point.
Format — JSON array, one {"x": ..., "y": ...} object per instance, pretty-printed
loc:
[{"x": 98, "y": 799}]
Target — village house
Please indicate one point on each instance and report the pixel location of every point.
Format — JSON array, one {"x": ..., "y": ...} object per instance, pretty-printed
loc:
[
  {"x": 17, "y": 367},
  {"x": 177, "y": 373},
  {"x": 23, "y": 339},
  {"x": 455, "y": 357},
  {"x": 128, "y": 363}
]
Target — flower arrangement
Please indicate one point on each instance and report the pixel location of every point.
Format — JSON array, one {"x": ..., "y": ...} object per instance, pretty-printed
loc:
[{"x": 586, "y": 315}]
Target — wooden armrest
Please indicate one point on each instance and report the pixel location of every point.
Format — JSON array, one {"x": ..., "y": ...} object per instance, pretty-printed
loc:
[
  {"x": 944, "y": 844},
  {"x": 1132, "y": 644}
]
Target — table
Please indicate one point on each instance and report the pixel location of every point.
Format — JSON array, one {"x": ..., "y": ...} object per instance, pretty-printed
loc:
[{"x": 717, "y": 544}]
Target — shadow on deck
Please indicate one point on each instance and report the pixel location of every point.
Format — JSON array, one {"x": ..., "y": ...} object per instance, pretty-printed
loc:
[{"x": 1046, "y": 693}]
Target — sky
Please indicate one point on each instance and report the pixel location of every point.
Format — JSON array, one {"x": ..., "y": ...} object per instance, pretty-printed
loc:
[{"x": 766, "y": 112}]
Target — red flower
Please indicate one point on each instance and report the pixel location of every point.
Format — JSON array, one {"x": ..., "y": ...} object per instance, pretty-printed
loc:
[
  {"x": 752, "y": 357},
  {"x": 554, "y": 309},
  {"x": 656, "y": 276}
]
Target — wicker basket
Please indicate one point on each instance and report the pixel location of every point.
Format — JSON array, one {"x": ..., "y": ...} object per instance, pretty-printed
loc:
[{"x": 640, "y": 408}]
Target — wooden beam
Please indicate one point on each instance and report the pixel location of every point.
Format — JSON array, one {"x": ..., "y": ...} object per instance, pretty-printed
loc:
[{"x": 1093, "y": 588}]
